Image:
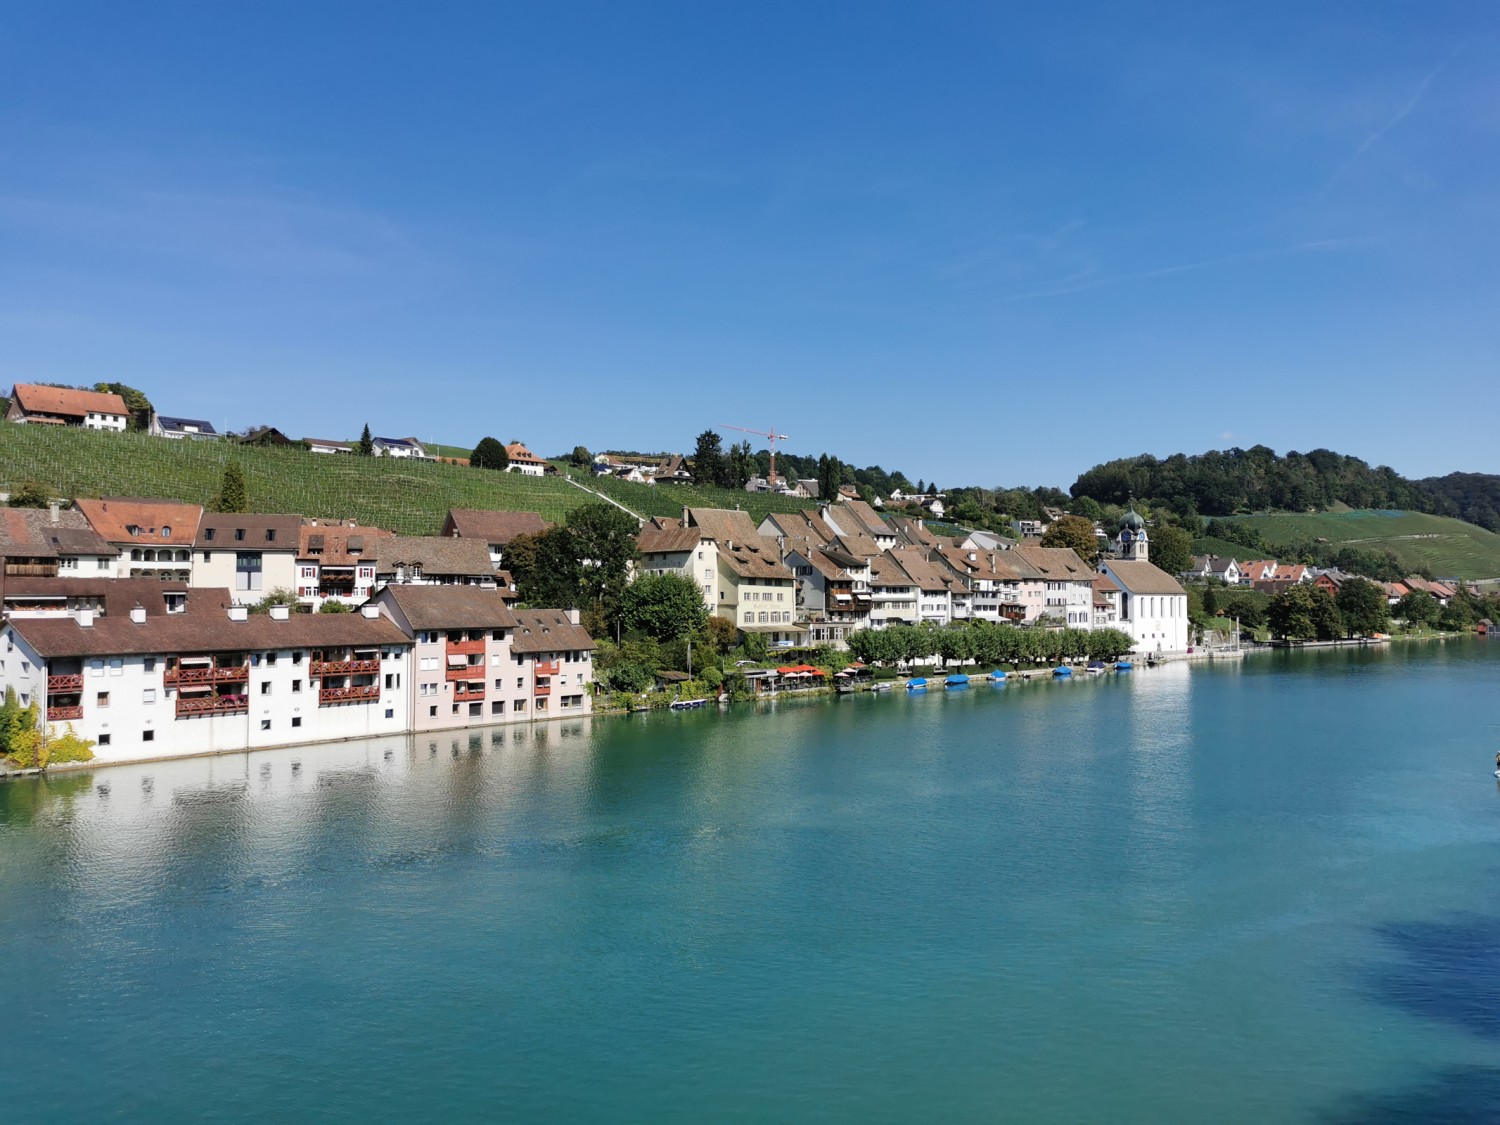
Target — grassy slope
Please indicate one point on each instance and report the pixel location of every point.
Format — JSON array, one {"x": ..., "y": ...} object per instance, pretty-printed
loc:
[
  {"x": 407, "y": 496},
  {"x": 669, "y": 499},
  {"x": 1449, "y": 547}
]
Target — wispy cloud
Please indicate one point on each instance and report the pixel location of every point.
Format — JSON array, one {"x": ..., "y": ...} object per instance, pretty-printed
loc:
[{"x": 1399, "y": 116}]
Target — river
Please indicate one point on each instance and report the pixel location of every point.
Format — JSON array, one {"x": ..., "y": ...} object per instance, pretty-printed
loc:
[{"x": 1260, "y": 891}]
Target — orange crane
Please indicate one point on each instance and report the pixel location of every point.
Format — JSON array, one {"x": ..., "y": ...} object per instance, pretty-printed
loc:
[{"x": 771, "y": 436}]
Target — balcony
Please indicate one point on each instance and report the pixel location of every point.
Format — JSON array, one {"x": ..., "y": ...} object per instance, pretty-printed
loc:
[
  {"x": 362, "y": 693},
  {"x": 468, "y": 692},
  {"x": 322, "y": 668},
  {"x": 467, "y": 672},
  {"x": 466, "y": 648},
  {"x": 31, "y": 570},
  {"x": 58, "y": 684},
  {"x": 543, "y": 689},
  {"x": 188, "y": 705},
  {"x": 202, "y": 674},
  {"x": 64, "y": 714},
  {"x": 550, "y": 668}
]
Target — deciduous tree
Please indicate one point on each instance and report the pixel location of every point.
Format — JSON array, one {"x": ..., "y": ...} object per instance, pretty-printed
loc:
[
  {"x": 665, "y": 606},
  {"x": 1077, "y": 533},
  {"x": 1171, "y": 549},
  {"x": 489, "y": 454},
  {"x": 232, "y": 496},
  {"x": 1363, "y": 607}
]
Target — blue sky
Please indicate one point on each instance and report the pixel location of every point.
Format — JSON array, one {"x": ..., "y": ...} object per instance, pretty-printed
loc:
[{"x": 979, "y": 243}]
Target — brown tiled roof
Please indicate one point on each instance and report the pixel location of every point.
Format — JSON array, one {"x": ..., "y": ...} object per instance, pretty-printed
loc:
[
  {"x": 331, "y": 543},
  {"x": 498, "y": 528},
  {"x": 261, "y": 532},
  {"x": 1139, "y": 577},
  {"x": 36, "y": 399},
  {"x": 667, "y": 536},
  {"x": 203, "y": 632},
  {"x": 758, "y": 558},
  {"x": 860, "y": 546},
  {"x": 1056, "y": 564},
  {"x": 985, "y": 566},
  {"x": 724, "y": 524},
  {"x": 517, "y": 451},
  {"x": 119, "y": 595},
  {"x": 913, "y": 531},
  {"x": 802, "y": 524},
  {"x": 451, "y": 607},
  {"x": 866, "y": 515},
  {"x": 927, "y": 576},
  {"x": 548, "y": 630},
  {"x": 112, "y": 516},
  {"x": 30, "y": 533},
  {"x": 886, "y": 571},
  {"x": 436, "y": 554}
]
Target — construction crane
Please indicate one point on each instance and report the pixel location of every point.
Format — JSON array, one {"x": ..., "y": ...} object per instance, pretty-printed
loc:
[{"x": 771, "y": 436}]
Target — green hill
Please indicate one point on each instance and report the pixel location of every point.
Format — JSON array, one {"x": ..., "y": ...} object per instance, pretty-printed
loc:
[
  {"x": 1448, "y": 547},
  {"x": 406, "y": 496}
]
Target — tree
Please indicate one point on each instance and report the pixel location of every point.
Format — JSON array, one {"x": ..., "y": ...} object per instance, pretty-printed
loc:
[
  {"x": 1077, "y": 533},
  {"x": 605, "y": 538},
  {"x": 580, "y": 458},
  {"x": 708, "y": 459},
  {"x": 830, "y": 476},
  {"x": 365, "y": 447},
  {"x": 1171, "y": 549},
  {"x": 1210, "y": 602},
  {"x": 1364, "y": 608},
  {"x": 279, "y": 596},
  {"x": 489, "y": 454},
  {"x": 331, "y": 606},
  {"x": 665, "y": 606},
  {"x": 136, "y": 403},
  {"x": 1303, "y": 612},
  {"x": 1419, "y": 608},
  {"x": 31, "y": 494},
  {"x": 231, "y": 497},
  {"x": 740, "y": 466}
]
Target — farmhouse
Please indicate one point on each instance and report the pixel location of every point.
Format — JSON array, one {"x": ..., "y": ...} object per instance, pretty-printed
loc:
[{"x": 35, "y": 405}]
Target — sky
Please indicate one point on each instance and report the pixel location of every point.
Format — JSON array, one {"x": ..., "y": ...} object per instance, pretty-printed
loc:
[{"x": 980, "y": 243}]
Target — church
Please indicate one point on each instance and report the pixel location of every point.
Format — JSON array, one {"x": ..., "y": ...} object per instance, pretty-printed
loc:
[{"x": 1153, "y": 604}]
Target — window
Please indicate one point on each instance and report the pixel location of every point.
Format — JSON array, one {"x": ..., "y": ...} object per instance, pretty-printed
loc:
[
  {"x": 166, "y": 532},
  {"x": 476, "y": 709},
  {"x": 148, "y": 664},
  {"x": 270, "y": 658},
  {"x": 432, "y": 712},
  {"x": 149, "y": 695},
  {"x": 148, "y": 736},
  {"x": 104, "y": 740},
  {"x": 270, "y": 535},
  {"x": 296, "y": 720},
  {"x": 101, "y": 699},
  {"x": 780, "y": 597},
  {"x": 763, "y": 617},
  {"x": 296, "y": 686},
  {"x": 749, "y": 617},
  {"x": 208, "y": 537},
  {"x": 296, "y": 658},
  {"x": 390, "y": 680},
  {"x": 497, "y": 707},
  {"x": 520, "y": 681},
  {"x": 497, "y": 634},
  {"x": 247, "y": 570},
  {"x": 265, "y": 687},
  {"x": 116, "y": 665},
  {"x": 265, "y": 724},
  {"x": 239, "y": 535}
]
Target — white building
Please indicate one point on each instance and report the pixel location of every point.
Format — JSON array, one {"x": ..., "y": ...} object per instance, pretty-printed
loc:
[
  {"x": 1153, "y": 604},
  {"x": 31, "y": 404},
  {"x": 398, "y": 447},
  {"x": 250, "y": 555},
  {"x": 523, "y": 461}
]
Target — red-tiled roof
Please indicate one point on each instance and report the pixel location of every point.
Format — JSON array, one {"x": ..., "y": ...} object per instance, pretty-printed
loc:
[
  {"x": 36, "y": 399},
  {"x": 156, "y": 522}
]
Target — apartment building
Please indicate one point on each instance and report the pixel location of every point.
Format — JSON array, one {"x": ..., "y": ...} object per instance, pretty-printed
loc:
[
  {"x": 249, "y": 555},
  {"x": 154, "y": 537}
]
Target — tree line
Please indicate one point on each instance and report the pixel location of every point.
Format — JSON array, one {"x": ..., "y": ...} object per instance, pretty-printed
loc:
[{"x": 989, "y": 644}]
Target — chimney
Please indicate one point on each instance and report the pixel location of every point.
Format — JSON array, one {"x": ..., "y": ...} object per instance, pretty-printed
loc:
[
  {"x": 684, "y": 515},
  {"x": 138, "y": 614},
  {"x": 281, "y": 613},
  {"x": 53, "y": 509},
  {"x": 973, "y": 556},
  {"x": 369, "y": 612},
  {"x": 573, "y": 616},
  {"x": 84, "y": 617},
  {"x": 239, "y": 613}
]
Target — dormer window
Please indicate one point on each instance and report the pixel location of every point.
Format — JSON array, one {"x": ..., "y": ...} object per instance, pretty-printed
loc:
[
  {"x": 133, "y": 529},
  {"x": 270, "y": 535},
  {"x": 239, "y": 535},
  {"x": 166, "y": 532},
  {"x": 208, "y": 535}
]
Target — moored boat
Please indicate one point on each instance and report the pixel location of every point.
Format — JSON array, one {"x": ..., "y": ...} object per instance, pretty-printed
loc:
[
  {"x": 1123, "y": 666},
  {"x": 958, "y": 679},
  {"x": 688, "y": 704},
  {"x": 917, "y": 683},
  {"x": 1062, "y": 671}
]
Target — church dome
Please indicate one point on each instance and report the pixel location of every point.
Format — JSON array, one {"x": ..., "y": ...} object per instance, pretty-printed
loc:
[{"x": 1132, "y": 522}]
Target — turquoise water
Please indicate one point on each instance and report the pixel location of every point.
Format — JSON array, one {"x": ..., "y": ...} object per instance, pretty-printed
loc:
[{"x": 1252, "y": 893}]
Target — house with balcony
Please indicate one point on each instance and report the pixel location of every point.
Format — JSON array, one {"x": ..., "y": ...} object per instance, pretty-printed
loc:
[
  {"x": 855, "y": 517},
  {"x": 34, "y": 405},
  {"x": 248, "y": 554},
  {"x": 144, "y": 686},
  {"x": 523, "y": 461},
  {"x": 893, "y": 593},
  {"x": 935, "y": 584},
  {"x": 495, "y": 529},
  {"x": 432, "y": 560},
  {"x": 1057, "y": 586},
  {"x": 154, "y": 537},
  {"x": 107, "y": 597},
  {"x": 336, "y": 562},
  {"x": 52, "y": 542},
  {"x": 554, "y": 654},
  {"x": 833, "y": 591},
  {"x": 993, "y": 586}
]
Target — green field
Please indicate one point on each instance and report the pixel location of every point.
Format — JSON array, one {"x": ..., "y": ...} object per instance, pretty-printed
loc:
[
  {"x": 1448, "y": 547},
  {"x": 406, "y": 496}
]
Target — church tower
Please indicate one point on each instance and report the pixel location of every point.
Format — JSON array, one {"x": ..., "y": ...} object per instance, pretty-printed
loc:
[{"x": 1132, "y": 542}]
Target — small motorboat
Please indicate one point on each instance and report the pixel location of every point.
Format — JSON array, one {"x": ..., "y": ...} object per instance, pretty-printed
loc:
[
  {"x": 1123, "y": 666},
  {"x": 997, "y": 676},
  {"x": 916, "y": 684},
  {"x": 1095, "y": 667},
  {"x": 958, "y": 679},
  {"x": 1062, "y": 671},
  {"x": 688, "y": 704},
  {"x": 882, "y": 685}
]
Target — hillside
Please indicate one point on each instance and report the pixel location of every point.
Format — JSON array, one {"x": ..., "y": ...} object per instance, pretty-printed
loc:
[
  {"x": 1446, "y": 546},
  {"x": 406, "y": 496}
]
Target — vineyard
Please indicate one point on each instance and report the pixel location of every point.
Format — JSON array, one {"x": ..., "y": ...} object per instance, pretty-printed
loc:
[
  {"x": 410, "y": 497},
  {"x": 1448, "y": 547}
]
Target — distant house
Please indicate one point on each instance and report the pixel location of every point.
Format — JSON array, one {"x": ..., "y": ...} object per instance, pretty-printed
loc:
[
  {"x": 155, "y": 537},
  {"x": 1213, "y": 566},
  {"x": 182, "y": 429},
  {"x": 433, "y": 561},
  {"x": 1258, "y": 570},
  {"x": 674, "y": 469},
  {"x": 523, "y": 461},
  {"x": 399, "y": 447},
  {"x": 494, "y": 529},
  {"x": 265, "y": 435},
  {"x": 323, "y": 445},
  {"x": 336, "y": 561},
  {"x": 35, "y": 405},
  {"x": 848, "y": 492}
]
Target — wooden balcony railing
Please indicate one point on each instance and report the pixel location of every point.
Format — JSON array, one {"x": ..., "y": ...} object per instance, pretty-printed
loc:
[
  {"x": 212, "y": 705},
  {"x": 64, "y": 714},
  {"x": 31, "y": 570},
  {"x": 344, "y": 667},
  {"x": 543, "y": 689},
  {"x": 466, "y": 648},
  {"x": 467, "y": 672},
  {"x": 229, "y": 674},
  {"x": 547, "y": 669},
  {"x": 364, "y": 693},
  {"x": 57, "y": 684}
]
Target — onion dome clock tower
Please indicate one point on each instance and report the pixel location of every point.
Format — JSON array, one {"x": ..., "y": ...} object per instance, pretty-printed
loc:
[{"x": 1132, "y": 541}]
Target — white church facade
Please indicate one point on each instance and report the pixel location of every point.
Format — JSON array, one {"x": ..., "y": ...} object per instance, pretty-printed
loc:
[{"x": 1153, "y": 604}]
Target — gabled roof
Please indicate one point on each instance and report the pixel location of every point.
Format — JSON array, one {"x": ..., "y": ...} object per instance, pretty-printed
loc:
[
  {"x": 157, "y": 522},
  {"x": 723, "y": 524},
  {"x": 451, "y": 607},
  {"x": 338, "y": 544},
  {"x": 800, "y": 525},
  {"x": 397, "y": 442},
  {"x": 866, "y": 515},
  {"x": 548, "y": 630},
  {"x": 496, "y": 528},
  {"x": 186, "y": 425},
  {"x": 30, "y": 533},
  {"x": 924, "y": 573},
  {"x": 435, "y": 554},
  {"x": 203, "y": 633},
  {"x": 65, "y": 401},
  {"x": 661, "y": 536},
  {"x": 517, "y": 451},
  {"x": 984, "y": 566},
  {"x": 1056, "y": 564},
  {"x": 118, "y": 596},
  {"x": 1138, "y": 577},
  {"x": 912, "y": 531},
  {"x": 329, "y": 444},
  {"x": 886, "y": 571},
  {"x": 248, "y": 531},
  {"x": 756, "y": 558}
]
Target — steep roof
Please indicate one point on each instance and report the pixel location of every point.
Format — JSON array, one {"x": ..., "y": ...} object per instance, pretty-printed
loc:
[
  {"x": 800, "y": 525},
  {"x": 30, "y": 533},
  {"x": 1138, "y": 577},
  {"x": 203, "y": 632},
  {"x": 248, "y": 531},
  {"x": 36, "y": 399},
  {"x": 886, "y": 571},
  {"x": 157, "y": 522},
  {"x": 724, "y": 524},
  {"x": 756, "y": 558},
  {"x": 659, "y": 536},
  {"x": 866, "y": 515},
  {"x": 338, "y": 544},
  {"x": 984, "y": 566},
  {"x": 923, "y": 572},
  {"x": 451, "y": 607},
  {"x": 548, "y": 630},
  {"x": 1056, "y": 564},
  {"x": 497, "y": 528},
  {"x": 435, "y": 554},
  {"x": 517, "y": 451}
]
